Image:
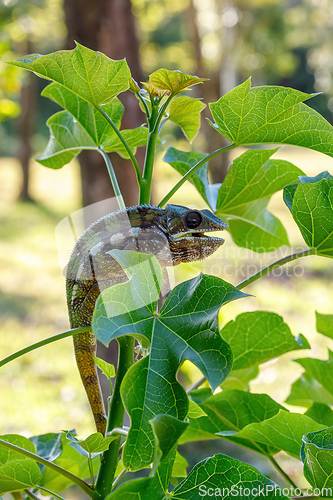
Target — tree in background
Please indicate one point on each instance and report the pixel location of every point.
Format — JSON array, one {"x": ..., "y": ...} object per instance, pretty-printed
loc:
[
  {"x": 26, "y": 27},
  {"x": 108, "y": 26}
]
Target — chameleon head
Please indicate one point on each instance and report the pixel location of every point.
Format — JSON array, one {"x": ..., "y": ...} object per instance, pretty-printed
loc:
[{"x": 186, "y": 228}]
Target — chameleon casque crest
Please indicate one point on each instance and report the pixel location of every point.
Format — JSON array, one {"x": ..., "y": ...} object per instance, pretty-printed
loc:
[{"x": 175, "y": 234}]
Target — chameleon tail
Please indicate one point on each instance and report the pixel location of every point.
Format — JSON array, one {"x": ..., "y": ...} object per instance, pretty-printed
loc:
[{"x": 85, "y": 347}]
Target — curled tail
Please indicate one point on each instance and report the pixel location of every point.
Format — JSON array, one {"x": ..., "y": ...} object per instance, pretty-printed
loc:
[
  {"x": 85, "y": 348},
  {"x": 81, "y": 298}
]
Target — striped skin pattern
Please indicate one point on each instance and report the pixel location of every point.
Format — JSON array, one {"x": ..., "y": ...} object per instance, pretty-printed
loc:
[{"x": 174, "y": 234}]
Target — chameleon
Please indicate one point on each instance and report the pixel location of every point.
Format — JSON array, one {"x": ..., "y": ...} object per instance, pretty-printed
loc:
[{"x": 175, "y": 234}]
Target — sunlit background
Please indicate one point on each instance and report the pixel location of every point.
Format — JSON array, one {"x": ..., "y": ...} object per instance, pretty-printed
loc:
[{"x": 276, "y": 42}]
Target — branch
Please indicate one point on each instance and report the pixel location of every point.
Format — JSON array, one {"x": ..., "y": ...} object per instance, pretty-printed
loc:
[
  {"x": 278, "y": 263},
  {"x": 192, "y": 170},
  {"x": 41, "y": 343}
]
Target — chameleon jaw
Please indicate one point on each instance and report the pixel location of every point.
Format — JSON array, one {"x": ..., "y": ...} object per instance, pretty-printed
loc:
[
  {"x": 196, "y": 236},
  {"x": 192, "y": 236}
]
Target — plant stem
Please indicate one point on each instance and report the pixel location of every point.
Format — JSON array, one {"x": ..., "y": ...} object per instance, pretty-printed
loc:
[
  {"x": 154, "y": 130},
  {"x": 31, "y": 495},
  {"x": 84, "y": 486},
  {"x": 124, "y": 143},
  {"x": 115, "y": 419},
  {"x": 195, "y": 385},
  {"x": 147, "y": 175},
  {"x": 283, "y": 473},
  {"x": 278, "y": 263},
  {"x": 192, "y": 170},
  {"x": 113, "y": 179},
  {"x": 41, "y": 343},
  {"x": 55, "y": 495}
]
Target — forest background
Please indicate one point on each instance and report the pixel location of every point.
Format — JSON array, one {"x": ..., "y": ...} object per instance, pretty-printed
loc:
[{"x": 276, "y": 42}]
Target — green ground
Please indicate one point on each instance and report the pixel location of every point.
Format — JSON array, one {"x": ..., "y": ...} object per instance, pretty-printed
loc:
[{"x": 42, "y": 391}]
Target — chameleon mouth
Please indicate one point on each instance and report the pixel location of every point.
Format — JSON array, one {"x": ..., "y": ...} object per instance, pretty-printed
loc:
[{"x": 195, "y": 235}]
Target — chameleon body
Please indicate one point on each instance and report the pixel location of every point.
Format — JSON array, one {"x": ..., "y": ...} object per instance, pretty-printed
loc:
[{"x": 174, "y": 235}]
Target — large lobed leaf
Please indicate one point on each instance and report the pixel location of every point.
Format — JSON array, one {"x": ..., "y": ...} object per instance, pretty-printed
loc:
[
  {"x": 219, "y": 476},
  {"x": 284, "y": 431},
  {"x": 185, "y": 328},
  {"x": 317, "y": 455},
  {"x": 231, "y": 411},
  {"x": 256, "y": 337},
  {"x": 88, "y": 74},
  {"x": 271, "y": 114},
  {"x": 307, "y": 390},
  {"x": 81, "y": 126},
  {"x": 311, "y": 204},
  {"x": 243, "y": 197}
]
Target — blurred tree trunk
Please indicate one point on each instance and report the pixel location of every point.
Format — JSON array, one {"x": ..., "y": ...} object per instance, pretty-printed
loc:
[
  {"x": 108, "y": 26},
  {"x": 26, "y": 125}
]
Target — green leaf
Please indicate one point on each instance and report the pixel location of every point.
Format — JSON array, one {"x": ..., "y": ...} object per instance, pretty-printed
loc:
[
  {"x": 306, "y": 390},
  {"x": 179, "y": 467},
  {"x": 173, "y": 81},
  {"x": 317, "y": 456},
  {"x": 321, "y": 413},
  {"x": 253, "y": 226},
  {"x": 93, "y": 445},
  {"x": 310, "y": 202},
  {"x": 185, "y": 112},
  {"x": 232, "y": 410},
  {"x": 16, "y": 471},
  {"x": 48, "y": 446},
  {"x": 182, "y": 329},
  {"x": 224, "y": 477},
  {"x": 194, "y": 410},
  {"x": 239, "y": 379},
  {"x": 72, "y": 462},
  {"x": 321, "y": 370},
  {"x": 271, "y": 114},
  {"x": 152, "y": 488},
  {"x": 256, "y": 337},
  {"x": 324, "y": 324},
  {"x": 68, "y": 136},
  {"x": 107, "y": 368},
  {"x": 167, "y": 430},
  {"x": 182, "y": 161},
  {"x": 243, "y": 197},
  {"x": 253, "y": 176},
  {"x": 284, "y": 432},
  {"x": 90, "y": 75}
]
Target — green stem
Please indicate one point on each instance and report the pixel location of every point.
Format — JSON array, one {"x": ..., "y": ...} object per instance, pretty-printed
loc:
[
  {"x": 283, "y": 473},
  {"x": 278, "y": 263},
  {"x": 115, "y": 419},
  {"x": 154, "y": 130},
  {"x": 124, "y": 143},
  {"x": 192, "y": 170},
  {"x": 41, "y": 343},
  {"x": 31, "y": 495},
  {"x": 113, "y": 179},
  {"x": 91, "y": 471},
  {"x": 55, "y": 495},
  {"x": 74, "y": 479}
]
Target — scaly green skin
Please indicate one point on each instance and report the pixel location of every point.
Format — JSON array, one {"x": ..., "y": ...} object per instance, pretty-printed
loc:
[{"x": 174, "y": 235}]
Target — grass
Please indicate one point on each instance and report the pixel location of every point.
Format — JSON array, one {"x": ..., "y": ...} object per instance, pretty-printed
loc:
[{"x": 41, "y": 392}]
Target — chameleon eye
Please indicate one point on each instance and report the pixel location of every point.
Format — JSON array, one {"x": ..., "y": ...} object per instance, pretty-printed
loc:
[{"x": 193, "y": 220}]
